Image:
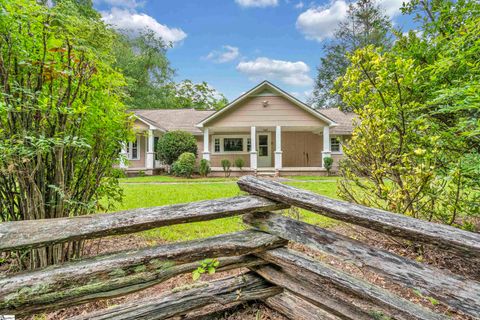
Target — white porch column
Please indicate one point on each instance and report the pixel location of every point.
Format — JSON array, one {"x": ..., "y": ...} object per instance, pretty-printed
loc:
[
  {"x": 206, "y": 147},
  {"x": 326, "y": 144},
  {"x": 123, "y": 157},
  {"x": 150, "y": 161},
  {"x": 253, "y": 148},
  {"x": 278, "y": 148}
]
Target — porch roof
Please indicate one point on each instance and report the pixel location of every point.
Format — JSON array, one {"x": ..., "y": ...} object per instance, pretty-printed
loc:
[{"x": 174, "y": 119}]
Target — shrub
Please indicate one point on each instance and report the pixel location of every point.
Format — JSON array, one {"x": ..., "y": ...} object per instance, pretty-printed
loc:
[
  {"x": 226, "y": 167},
  {"x": 62, "y": 119},
  {"x": 204, "y": 168},
  {"x": 185, "y": 165},
  {"x": 174, "y": 143},
  {"x": 327, "y": 163},
  {"x": 239, "y": 163}
]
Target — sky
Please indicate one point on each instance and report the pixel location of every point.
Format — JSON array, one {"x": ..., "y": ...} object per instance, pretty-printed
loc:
[{"x": 235, "y": 44}]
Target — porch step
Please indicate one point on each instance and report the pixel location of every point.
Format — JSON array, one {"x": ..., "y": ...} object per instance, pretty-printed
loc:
[{"x": 266, "y": 173}]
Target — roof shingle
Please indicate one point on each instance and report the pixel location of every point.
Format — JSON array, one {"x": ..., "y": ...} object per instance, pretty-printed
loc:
[{"x": 187, "y": 119}]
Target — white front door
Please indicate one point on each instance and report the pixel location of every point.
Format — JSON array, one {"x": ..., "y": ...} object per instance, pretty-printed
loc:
[{"x": 264, "y": 156}]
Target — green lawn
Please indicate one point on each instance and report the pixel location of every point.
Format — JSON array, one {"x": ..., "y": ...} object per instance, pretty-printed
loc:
[
  {"x": 172, "y": 179},
  {"x": 139, "y": 195}
]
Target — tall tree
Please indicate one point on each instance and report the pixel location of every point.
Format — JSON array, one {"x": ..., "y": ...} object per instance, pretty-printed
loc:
[
  {"x": 365, "y": 24},
  {"x": 143, "y": 61},
  {"x": 62, "y": 120},
  {"x": 416, "y": 147}
]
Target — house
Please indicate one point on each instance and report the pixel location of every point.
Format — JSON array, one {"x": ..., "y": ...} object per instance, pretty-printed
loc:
[{"x": 272, "y": 131}]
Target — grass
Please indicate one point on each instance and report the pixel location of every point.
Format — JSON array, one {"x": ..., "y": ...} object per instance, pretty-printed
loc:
[
  {"x": 172, "y": 179},
  {"x": 306, "y": 178},
  {"x": 140, "y": 195}
]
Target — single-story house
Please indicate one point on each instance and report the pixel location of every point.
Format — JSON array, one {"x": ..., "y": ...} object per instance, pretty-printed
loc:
[{"x": 272, "y": 131}]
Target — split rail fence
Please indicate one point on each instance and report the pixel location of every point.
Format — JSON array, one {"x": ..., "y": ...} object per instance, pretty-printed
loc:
[{"x": 294, "y": 284}]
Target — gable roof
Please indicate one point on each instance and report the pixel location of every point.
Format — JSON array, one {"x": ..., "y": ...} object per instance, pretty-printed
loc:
[
  {"x": 263, "y": 86},
  {"x": 173, "y": 119}
]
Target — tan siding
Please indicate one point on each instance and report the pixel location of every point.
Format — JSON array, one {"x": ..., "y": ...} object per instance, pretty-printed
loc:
[
  {"x": 217, "y": 159},
  {"x": 302, "y": 149},
  {"x": 140, "y": 126},
  {"x": 279, "y": 111},
  {"x": 199, "y": 148},
  {"x": 336, "y": 160},
  {"x": 139, "y": 163}
]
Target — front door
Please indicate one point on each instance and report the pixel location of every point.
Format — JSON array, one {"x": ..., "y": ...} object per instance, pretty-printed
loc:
[{"x": 263, "y": 150}]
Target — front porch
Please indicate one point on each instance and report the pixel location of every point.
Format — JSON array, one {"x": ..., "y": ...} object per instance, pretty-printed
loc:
[{"x": 269, "y": 150}]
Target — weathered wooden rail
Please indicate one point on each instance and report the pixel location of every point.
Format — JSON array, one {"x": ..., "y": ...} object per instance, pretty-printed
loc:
[{"x": 296, "y": 285}]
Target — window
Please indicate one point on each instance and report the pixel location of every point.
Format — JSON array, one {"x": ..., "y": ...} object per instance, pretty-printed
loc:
[
  {"x": 232, "y": 144},
  {"x": 134, "y": 150},
  {"x": 263, "y": 145},
  {"x": 335, "y": 144},
  {"x": 249, "y": 144}
]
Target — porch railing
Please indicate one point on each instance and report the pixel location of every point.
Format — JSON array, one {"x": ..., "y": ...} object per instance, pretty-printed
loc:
[{"x": 298, "y": 286}]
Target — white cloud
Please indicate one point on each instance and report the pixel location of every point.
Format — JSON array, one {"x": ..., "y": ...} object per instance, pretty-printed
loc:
[
  {"x": 257, "y": 3},
  {"x": 227, "y": 54},
  {"x": 134, "y": 23},
  {"x": 299, "y": 5},
  {"x": 121, "y": 3},
  {"x": 319, "y": 23},
  {"x": 391, "y": 7},
  {"x": 288, "y": 72}
]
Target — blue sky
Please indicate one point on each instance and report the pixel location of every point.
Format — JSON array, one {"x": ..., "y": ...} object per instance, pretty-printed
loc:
[{"x": 234, "y": 44}]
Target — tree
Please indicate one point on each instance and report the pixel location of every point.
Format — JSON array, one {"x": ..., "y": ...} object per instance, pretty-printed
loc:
[
  {"x": 149, "y": 75},
  {"x": 365, "y": 24},
  {"x": 143, "y": 61},
  {"x": 61, "y": 118},
  {"x": 172, "y": 144},
  {"x": 415, "y": 148},
  {"x": 201, "y": 96}
]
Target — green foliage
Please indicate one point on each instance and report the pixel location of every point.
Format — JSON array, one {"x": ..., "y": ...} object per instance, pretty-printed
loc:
[
  {"x": 226, "y": 167},
  {"x": 173, "y": 143},
  {"x": 204, "y": 167},
  {"x": 239, "y": 163},
  {"x": 185, "y": 165},
  {"x": 143, "y": 61},
  {"x": 328, "y": 163},
  {"x": 416, "y": 146},
  {"x": 201, "y": 96},
  {"x": 61, "y": 116},
  {"x": 206, "y": 266},
  {"x": 365, "y": 24}
]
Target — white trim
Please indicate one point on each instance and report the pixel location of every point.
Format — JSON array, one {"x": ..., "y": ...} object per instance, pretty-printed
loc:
[
  {"x": 223, "y": 136},
  {"x": 130, "y": 149},
  {"x": 278, "y": 148},
  {"x": 253, "y": 148},
  {"x": 150, "y": 126},
  {"x": 261, "y": 86}
]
